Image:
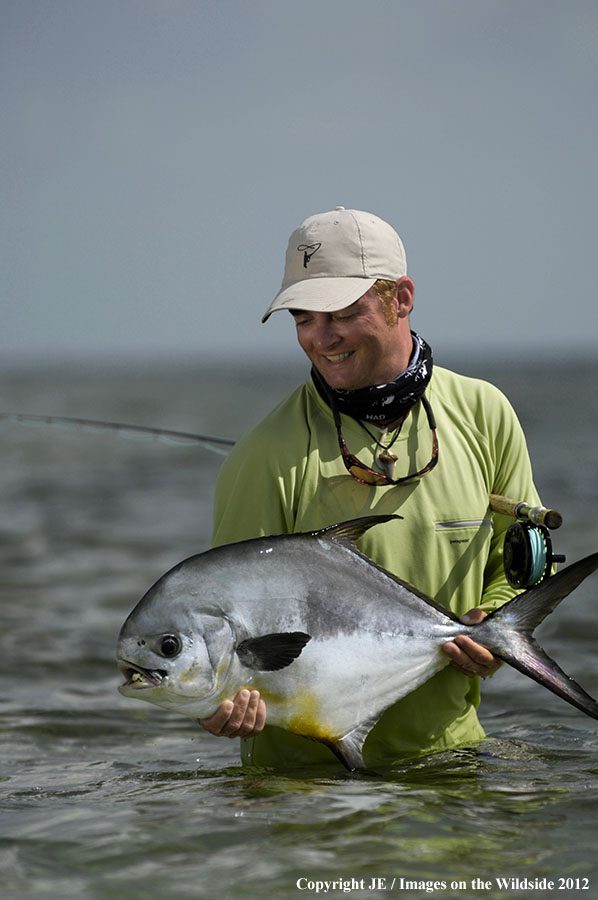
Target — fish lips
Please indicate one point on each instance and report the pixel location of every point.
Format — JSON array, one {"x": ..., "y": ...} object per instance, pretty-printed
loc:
[{"x": 139, "y": 678}]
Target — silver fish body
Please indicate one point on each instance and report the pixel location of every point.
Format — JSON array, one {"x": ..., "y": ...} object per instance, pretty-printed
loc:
[{"x": 329, "y": 638}]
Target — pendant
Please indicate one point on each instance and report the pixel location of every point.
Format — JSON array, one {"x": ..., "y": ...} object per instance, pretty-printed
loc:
[{"x": 387, "y": 461}]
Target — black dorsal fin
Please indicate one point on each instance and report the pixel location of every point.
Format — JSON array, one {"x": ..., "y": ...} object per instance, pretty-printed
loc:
[{"x": 350, "y": 531}]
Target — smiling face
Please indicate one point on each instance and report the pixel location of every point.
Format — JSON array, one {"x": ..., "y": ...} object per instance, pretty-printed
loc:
[{"x": 358, "y": 346}]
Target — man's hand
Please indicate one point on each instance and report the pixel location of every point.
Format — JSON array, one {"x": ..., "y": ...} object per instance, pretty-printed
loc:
[
  {"x": 467, "y": 656},
  {"x": 244, "y": 716}
]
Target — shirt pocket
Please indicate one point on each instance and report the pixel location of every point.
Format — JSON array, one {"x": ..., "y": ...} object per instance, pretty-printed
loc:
[
  {"x": 460, "y": 533},
  {"x": 462, "y": 551},
  {"x": 453, "y": 525}
]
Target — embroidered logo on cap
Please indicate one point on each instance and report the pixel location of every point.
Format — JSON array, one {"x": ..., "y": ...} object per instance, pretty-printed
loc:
[{"x": 307, "y": 255}]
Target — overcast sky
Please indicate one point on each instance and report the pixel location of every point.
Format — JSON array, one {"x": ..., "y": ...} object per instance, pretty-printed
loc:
[{"x": 156, "y": 155}]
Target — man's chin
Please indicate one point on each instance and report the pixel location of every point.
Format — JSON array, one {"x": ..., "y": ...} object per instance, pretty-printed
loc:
[{"x": 341, "y": 376}]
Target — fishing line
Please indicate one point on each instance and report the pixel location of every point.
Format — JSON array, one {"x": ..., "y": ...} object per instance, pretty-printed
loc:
[
  {"x": 538, "y": 553},
  {"x": 217, "y": 445}
]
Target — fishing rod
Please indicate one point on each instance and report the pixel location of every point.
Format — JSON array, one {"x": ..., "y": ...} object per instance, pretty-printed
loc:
[
  {"x": 519, "y": 509},
  {"x": 528, "y": 556},
  {"x": 218, "y": 445}
]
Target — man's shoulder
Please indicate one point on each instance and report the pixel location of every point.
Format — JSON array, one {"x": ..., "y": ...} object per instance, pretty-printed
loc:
[
  {"x": 472, "y": 404},
  {"x": 455, "y": 387}
]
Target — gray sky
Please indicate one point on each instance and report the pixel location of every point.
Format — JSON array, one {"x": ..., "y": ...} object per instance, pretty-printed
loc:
[{"x": 156, "y": 155}]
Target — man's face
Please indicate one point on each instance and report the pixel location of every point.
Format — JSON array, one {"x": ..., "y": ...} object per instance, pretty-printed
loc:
[{"x": 354, "y": 347}]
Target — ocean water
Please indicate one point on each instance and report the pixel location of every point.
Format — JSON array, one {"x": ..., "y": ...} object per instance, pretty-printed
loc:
[{"x": 101, "y": 797}]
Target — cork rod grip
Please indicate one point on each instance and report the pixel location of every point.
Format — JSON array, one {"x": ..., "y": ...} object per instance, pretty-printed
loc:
[{"x": 519, "y": 509}]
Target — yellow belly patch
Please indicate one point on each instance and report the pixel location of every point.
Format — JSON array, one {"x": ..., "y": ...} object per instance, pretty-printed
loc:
[{"x": 304, "y": 718}]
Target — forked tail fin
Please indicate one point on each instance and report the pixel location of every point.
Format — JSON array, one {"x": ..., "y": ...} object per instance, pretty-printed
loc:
[{"x": 507, "y": 632}]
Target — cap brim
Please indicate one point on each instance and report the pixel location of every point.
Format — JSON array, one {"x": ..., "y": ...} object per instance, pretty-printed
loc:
[{"x": 320, "y": 294}]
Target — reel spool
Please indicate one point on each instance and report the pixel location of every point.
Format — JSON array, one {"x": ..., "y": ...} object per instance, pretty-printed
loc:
[{"x": 528, "y": 555}]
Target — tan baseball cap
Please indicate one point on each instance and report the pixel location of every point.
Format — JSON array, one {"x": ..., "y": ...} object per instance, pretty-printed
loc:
[{"x": 334, "y": 258}]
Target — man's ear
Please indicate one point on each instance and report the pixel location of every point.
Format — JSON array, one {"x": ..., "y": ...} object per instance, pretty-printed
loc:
[{"x": 404, "y": 293}]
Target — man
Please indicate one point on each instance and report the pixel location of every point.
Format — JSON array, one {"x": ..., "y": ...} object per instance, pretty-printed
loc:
[{"x": 378, "y": 429}]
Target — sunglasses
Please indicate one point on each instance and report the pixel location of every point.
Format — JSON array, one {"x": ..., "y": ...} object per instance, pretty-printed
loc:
[{"x": 362, "y": 473}]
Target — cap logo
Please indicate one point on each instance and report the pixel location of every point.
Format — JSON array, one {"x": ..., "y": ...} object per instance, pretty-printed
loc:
[{"x": 308, "y": 251}]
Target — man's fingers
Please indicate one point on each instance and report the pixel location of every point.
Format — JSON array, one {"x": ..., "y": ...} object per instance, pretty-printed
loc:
[
  {"x": 215, "y": 723},
  {"x": 260, "y": 718},
  {"x": 237, "y": 716},
  {"x": 244, "y": 716},
  {"x": 466, "y": 655},
  {"x": 249, "y": 722},
  {"x": 474, "y": 616},
  {"x": 471, "y": 658},
  {"x": 477, "y": 655},
  {"x": 459, "y": 659}
]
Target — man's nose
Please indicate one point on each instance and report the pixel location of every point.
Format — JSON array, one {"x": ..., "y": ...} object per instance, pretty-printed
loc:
[{"x": 325, "y": 334}]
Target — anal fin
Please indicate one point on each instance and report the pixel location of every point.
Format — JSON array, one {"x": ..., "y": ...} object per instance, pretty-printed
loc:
[{"x": 349, "y": 749}]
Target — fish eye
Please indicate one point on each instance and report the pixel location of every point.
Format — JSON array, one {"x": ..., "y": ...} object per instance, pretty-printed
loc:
[{"x": 170, "y": 645}]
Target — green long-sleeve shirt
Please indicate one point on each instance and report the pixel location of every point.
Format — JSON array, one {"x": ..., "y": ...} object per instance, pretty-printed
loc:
[{"x": 286, "y": 475}]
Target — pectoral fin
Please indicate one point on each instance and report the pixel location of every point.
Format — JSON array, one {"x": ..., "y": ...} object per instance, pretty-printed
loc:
[{"x": 271, "y": 652}]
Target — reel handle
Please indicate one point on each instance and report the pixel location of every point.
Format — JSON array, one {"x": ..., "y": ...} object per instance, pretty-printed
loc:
[{"x": 519, "y": 509}]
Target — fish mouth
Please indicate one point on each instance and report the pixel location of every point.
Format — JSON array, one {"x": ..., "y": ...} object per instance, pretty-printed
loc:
[{"x": 137, "y": 677}]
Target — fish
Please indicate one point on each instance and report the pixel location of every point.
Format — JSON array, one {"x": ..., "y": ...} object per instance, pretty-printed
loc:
[{"x": 309, "y": 620}]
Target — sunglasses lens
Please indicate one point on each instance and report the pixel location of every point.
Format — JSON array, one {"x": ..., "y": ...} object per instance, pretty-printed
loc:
[{"x": 368, "y": 477}]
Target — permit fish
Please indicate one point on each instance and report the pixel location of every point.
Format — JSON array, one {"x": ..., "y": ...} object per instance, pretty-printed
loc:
[{"x": 310, "y": 621}]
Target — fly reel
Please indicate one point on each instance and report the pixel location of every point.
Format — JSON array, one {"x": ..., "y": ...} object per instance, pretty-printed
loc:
[{"x": 528, "y": 555}]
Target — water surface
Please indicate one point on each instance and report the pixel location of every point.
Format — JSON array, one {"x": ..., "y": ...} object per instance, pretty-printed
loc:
[{"x": 104, "y": 798}]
